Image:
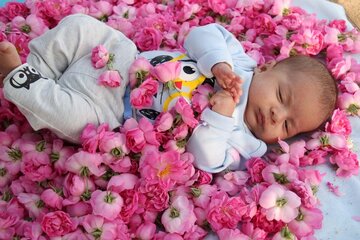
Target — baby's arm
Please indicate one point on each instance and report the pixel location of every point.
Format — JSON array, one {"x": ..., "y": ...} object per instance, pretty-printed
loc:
[{"x": 212, "y": 44}]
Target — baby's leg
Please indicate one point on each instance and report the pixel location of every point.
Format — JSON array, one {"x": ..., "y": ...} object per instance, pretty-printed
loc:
[{"x": 9, "y": 58}]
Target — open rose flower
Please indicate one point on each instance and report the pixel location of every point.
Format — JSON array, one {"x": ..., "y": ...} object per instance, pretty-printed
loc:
[
  {"x": 167, "y": 71},
  {"x": 56, "y": 224},
  {"x": 107, "y": 204},
  {"x": 280, "y": 204},
  {"x": 110, "y": 78}
]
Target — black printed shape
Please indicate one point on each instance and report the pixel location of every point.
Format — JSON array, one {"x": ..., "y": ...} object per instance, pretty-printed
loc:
[
  {"x": 24, "y": 77},
  {"x": 210, "y": 81},
  {"x": 149, "y": 113},
  {"x": 160, "y": 59}
]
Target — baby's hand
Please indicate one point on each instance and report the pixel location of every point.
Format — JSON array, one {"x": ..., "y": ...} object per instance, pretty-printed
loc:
[
  {"x": 228, "y": 80},
  {"x": 9, "y": 59},
  {"x": 223, "y": 103}
]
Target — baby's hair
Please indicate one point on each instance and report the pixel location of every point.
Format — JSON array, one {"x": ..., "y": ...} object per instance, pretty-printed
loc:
[{"x": 320, "y": 76}]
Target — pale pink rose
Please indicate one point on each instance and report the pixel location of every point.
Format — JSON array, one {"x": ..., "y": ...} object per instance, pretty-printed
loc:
[
  {"x": 32, "y": 25},
  {"x": 333, "y": 51},
  {"x": 348, "y": 84},
  {"x": 339, "y": 123},
  {"x": 36, "y": 166},
  {"x": 325, "y": 140},
  {"x": 97, "y": 226},
  {"x": 139, "y": 71},
  {"x": 99, "y": 56},
  {"x": 140, "y": 98},
  {"x": 107, "y": 204},
  {"x": 52, "y": 199},
  {"x": 331, "y": 35},
  {"x": 110, "y": 78},
  {"x": 124, "y": 10},
  {"x": 155, "y": 195},
  {"x": 339, "y": 66},
  {"x": 347, "y": 163},
  {"x": 146, "y": 231},
  {"x": 181, "y": 131},
  {"x": 195, "y": 232},
  {"x": 173, "y": 145},
  {"x": 76, "y": 185},
  {"x": 255, "y": 167},
  {"x": 282, "y": 174},
  {"x": 280, "y": 8},
  {"x": 5, "y": 175},
  {"x": 314, "y": 157},
  {"x": 201, "y": 97},
  {"x": 167, "y": 71},
  {"x": 85, "y": 164},
  {"x": 313, "y": 177},
  {"x": 59, "y": 154},
  {"x": 57, "y": 223},
  {"x": 309, "y": 40},
  {"x": 100, "y": 10},
  {"x": 225, "y": 211},
  {"x": 202, "y": 194},
  {"x": 91, "y": 135},
  {"x": 135, "y": 140},
  {"x": 350, "y": 103},
  {"x": 183, "y": 108},
  {"x": 306, "y": 222},
  {"x": 7, "y": 224},
  {"x": 122, "y": 24},
  {"x": 291, "y": 153},
  {"x": 254, "y": 233},
  {"x": 77, "y": 8},
  {"x": 114, "y": 144},
  {"x": 233, "y": 234},
  {"x": 217, "y": 6},
  {"x": 79, "y": 209},
  {"x": 150, "y": 85},
  {"x": 163, "y": 122},
  {"x": 164, "y": 166},
  {"x": 179, "y": 217},
  {"x": 239, "y": 178},
  {"x": 148, "y": 39},
  {"x": 187, "y": 10},
  {"x": 125, "y": 181},
  {"x": 280, "y": 204},
  {"x": 305, "y": 192}
]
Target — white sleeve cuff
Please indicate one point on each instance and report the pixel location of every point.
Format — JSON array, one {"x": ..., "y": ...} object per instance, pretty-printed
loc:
[
  {"x": 207, "y": 61},
  {"x": 217, "y": 120}
]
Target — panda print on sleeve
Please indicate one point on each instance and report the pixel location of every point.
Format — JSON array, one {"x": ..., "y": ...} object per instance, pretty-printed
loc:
[
  {"x": 189, "y": 79},
  {"x": 24, "y": 77}
]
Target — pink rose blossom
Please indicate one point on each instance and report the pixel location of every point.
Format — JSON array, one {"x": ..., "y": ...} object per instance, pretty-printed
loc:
[
  {"x": 57, "y": 223},
  {"x": 148, "y": 39},
  {"x": 76, "y": 185},
  {"x": 138, "y": 71},
  {"x": 13, "y": 9},
  {"x": 347, "y": 163},
  {"x": 31, "y": 25},
  {"x": 52, "y": 198},
  {"x": 101, "y": 10},
  {"x": 225, "y": 211},
  {"x": 280, "y": 7},
  {"x": 167, "y": 71},
  {"x": 146, "y": 231},
  {"x": 179, "y": 217},
  {"x": 97, "y": 226},
  {"x": 107, "y": 204},
  {"x": 305, "y": 191},
  {"x": 185, "y": 112},
  {"x": 280, "y": 204},
  {"x": 110, "y": 78},
  {"x": 140, "y": 98},
  {"x": 306, "y": 222},
  {"x": 164, "y": 121},
  {"x": 36, "y": 166},
  {"x": 202, "y": 194},
  {"x": 255, "y": 166},
  {"x": 201, "y": 97},
  {"x": 339, "y": 123},
  {"x": 155, "y": 195},
  {"x": 350, "y": 103},
  {"x": 254, "y": 233},
  {"x": 85, "y": 164},
  {"x": 99, "y": 56},
  {"x": 339, "y": 66},
  {"x": 282, "y": 174},
  {"x": 125, "y": 181},
  {"x": 91, "y": 135}
]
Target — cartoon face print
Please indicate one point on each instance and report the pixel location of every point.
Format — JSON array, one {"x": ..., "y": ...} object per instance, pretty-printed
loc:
[{"x": 24, "y": 77}]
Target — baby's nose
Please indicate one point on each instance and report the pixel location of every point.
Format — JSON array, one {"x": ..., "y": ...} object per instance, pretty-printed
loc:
[{"x": 278, "y": 115}]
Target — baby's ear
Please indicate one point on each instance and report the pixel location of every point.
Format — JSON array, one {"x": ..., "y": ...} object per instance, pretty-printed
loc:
[{"x": 264, "y": 67}]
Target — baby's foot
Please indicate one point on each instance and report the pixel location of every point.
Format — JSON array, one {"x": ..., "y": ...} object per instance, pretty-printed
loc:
[{"x": 9, "y": 58}]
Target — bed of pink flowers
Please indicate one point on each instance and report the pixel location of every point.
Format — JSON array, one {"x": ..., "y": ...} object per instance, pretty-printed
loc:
[{"x": 139, "y": 182}]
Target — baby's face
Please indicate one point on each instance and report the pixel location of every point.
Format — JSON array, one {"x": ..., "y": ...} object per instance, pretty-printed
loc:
[{"x": 281, "y": 106}]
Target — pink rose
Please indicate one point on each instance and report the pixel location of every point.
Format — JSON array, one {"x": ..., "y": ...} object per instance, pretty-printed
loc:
[
  {"x": 148, "y": 39},
  {"x": 91, "y": 136},
  {"x": 150, "y": 85},
  {"x": 138, "y": 71},
  {"x": 99, "y": 56},
  {"x": 154, "y": 195},
  {"x": 135, "y": 140},
  {"x": 13, "y": 9},
  {"x": 110, "y": 78},
  {"x": 51, "y": 198},
  {"x": 183, "y": 108},
  {"x": 339, "y": 123},
  {"x": 36, "y": 166},
  {"x": 163, "y": 122},
  {"x": 57, "y": 223},
  {"x": 140, "y": 98},
  {"x": 167, "y": 71},
  {"x": 346, "y": 161},
  {"x": 107, "y": 204},
  {"x": 255, "y": 166}
]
